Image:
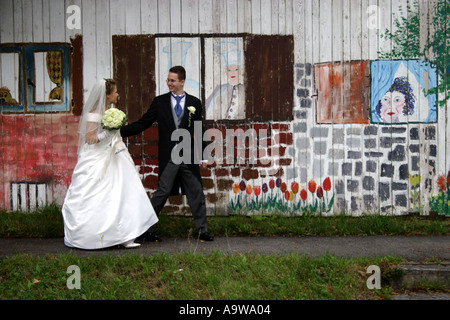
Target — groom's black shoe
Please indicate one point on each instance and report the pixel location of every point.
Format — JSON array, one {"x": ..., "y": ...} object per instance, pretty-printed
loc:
[
  {"x": 150, "y": 237},
  {"x": 206, "y": 237}
]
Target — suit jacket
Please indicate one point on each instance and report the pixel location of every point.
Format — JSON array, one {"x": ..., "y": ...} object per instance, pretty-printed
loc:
[{"x": 161, "y": 111}]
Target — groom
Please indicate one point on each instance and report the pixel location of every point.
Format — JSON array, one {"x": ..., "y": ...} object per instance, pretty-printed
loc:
[{"x": 171, "y": 112}]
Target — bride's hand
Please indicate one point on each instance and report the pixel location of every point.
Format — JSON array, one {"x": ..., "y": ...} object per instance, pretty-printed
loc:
[{"x": 91, "y": 138}]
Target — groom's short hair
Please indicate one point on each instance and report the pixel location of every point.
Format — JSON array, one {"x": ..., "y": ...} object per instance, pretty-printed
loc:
[{"x": 180, "y": 71}]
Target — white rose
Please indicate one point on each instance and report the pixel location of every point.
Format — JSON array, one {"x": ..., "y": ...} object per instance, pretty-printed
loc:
[{"x": 191, "y": 109}]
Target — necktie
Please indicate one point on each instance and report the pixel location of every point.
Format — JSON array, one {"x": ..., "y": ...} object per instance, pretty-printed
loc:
[{"x": 178, "y": 109}]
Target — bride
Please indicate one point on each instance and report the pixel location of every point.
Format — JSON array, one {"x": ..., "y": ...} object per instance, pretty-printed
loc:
[{"x": 106, "y": 203}]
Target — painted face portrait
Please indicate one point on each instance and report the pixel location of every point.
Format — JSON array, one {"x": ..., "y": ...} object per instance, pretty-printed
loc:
[
  {"x": 392, "y": 105},
  {"x": 233, "y": 72},
  {"x": 398, "y": 101}
]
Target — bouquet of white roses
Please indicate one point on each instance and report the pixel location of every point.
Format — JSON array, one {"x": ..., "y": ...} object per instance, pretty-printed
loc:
[{"x": 113, "y": 119}]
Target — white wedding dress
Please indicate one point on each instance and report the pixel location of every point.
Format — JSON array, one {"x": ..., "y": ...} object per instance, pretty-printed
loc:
[{"x": 106, "y": 203}]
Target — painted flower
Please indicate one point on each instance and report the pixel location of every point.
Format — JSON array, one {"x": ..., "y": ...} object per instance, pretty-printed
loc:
[
  {"x": 278, "y": 182},
  {"x": 319, "y": 192},
  {"x": 415, "y": 180},
  {"x": 283, "y": 187},
  {"x": 242, "y": 185},
  {"x": 312, "y": 186},
  {"x": 271, "y": 184},
  {"x": 288, "y": 195},
  {"x": 257, "y": 190},
  {"x": 294, "y": 187},
  {"x": 441, "y": 183},
  {"x": 327, "y": 184},
  {"x": 303, "y": 194},
  {"x": 264, "y": 187},
  {"x": 249, "y": 189},
  {"x": 236, "y": 188}
]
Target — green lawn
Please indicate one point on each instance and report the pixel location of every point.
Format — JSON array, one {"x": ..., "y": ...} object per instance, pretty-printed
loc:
[{"x": 216, "y": 276}]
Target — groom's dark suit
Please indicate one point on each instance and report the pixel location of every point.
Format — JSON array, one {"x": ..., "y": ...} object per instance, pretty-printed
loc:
[{"x": 172, "y": 175}]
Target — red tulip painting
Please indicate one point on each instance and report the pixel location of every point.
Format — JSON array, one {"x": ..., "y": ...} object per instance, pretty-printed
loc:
[{"x": 275, "y": 196}]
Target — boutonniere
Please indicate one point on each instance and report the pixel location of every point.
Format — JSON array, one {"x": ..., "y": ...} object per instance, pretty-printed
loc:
[{"x": 191, "y": 110}]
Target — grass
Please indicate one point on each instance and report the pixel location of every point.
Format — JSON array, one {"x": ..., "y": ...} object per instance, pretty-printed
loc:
[
  {"x": 48, "y": 222},
  {"x": 189, "y": 276},
  {"x": 216, "y": 276}
]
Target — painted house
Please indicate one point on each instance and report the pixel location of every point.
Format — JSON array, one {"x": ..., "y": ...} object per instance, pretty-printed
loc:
[{"x": 303, "y": 112}]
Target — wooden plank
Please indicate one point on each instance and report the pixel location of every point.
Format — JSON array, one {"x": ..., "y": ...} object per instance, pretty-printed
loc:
[
  {"x": 102, "y": 32},
  {"x": 190, "y": 16},
  {"x": 77, "y": 74},
  {"x": 205, "y": 16},
  {"x": 132, "y": 17},
  {"x": 175, "y": 16},
  {"x": 117, "y": 16},
  {"x": 57, "y": 21},
  {"x": 149, "y": 16}
]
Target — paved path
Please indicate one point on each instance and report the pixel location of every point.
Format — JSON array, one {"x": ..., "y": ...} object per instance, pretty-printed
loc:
[{"x": 416, "y": 248}]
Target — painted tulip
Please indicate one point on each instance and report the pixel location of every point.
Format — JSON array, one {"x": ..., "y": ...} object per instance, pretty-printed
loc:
[
  {"x": 264, "y": 187},
  {"x": 257, "y": 190},
  {"x": 294, "y": 187},
  {"x": 278, "y": 182},
  {"x": 242, "y": 185},
  {"x": 327, "y": 184},
  {"x": 319, "y": 192},
  {"x": 271, "y": 184},
  {"x": 286, "y": 195},
  {"x": 236, "y": 188},
  {"x": 303, "y": 194},
  {"x": 283, "y": 187},
  {"x": 249, "y": 189},
  {"x": 312, "y": 186}
]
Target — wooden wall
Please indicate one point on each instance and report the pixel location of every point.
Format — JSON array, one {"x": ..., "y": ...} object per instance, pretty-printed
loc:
[{"x": 361, "y": 166}]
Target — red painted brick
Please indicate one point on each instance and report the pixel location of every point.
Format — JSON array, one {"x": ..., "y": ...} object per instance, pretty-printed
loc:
[
  {"x": 248, "y": 174},
  {"x": 151, "y": 182},
  {"x": 281, "y": 126},
  {"x": 284, "y": 138},
  {"x": 221, "y": 172}
]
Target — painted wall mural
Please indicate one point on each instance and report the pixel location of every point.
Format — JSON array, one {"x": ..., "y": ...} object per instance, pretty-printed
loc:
[
  {"x": 275, "y": 196},
  {"x": 336, "y": 115},
  {"x": 398, "y": 92},
  {"x": 440, "y": 203},
  {"x": 227, "y": 99}
]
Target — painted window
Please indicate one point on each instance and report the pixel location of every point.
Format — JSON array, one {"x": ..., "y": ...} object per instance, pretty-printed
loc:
[
  {"x": 239, "y": 77},
  {"x": 398, "y": 92},
  {"x": 342, "y": 91},
  {"x": 34, "y": 78}
]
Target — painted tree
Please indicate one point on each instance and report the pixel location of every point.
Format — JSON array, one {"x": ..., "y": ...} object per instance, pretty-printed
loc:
[{"x": 436, "y": 51}]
